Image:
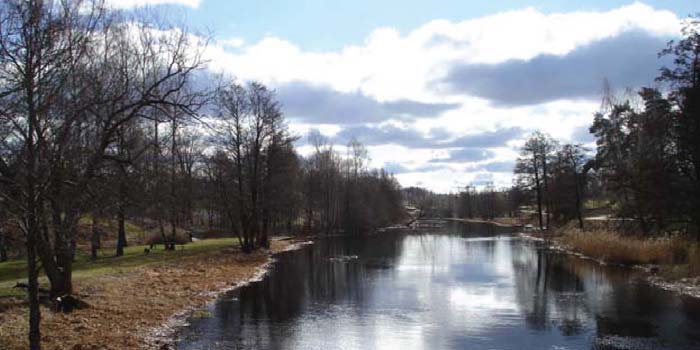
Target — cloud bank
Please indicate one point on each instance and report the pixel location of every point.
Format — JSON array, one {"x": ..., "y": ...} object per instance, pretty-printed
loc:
[
  {"x": 625, "y": 60},
  {"x": 318, "y": 104},
  {"x": 453, "y": 101}
]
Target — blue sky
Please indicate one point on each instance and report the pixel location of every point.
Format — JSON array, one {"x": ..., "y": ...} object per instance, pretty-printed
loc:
[
  {"x": 324, "y": 24},
  {"x": 443, "y": 93}
]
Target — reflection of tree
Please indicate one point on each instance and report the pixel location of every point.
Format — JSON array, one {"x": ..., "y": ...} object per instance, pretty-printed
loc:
[
  {"x": 555, "y": 293},
  {"x": 547, "y": 291},
  {"x": 474, "y": 229},
  {"x": 300, "y": 280},
  {"x": 558, "y": 289}
]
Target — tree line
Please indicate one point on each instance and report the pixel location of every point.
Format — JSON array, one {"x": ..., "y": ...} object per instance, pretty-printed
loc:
[
  {"x": 556, "y": 176},
  {"x": 112, "y": 115},
  {"x": 486, "y": 202},
  {"x": 647, "y": 157}
]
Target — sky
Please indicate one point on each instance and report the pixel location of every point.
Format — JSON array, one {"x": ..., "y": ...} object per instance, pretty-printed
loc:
[{"x": 442, "y": 93}]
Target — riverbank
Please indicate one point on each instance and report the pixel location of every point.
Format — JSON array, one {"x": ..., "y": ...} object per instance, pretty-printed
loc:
[
  {"x": 671, "y": 263},
  {"x": 501, "y": 222},
  {"x": 138, "y": 306}
]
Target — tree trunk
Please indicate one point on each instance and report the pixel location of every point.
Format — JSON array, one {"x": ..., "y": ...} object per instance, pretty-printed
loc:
[
  {"x": 546, "y": 196},
  {"x": 33, "y": 291},
  {"x": 62, "y": 282},
  {"x": 264, "y": 240},
  {"x": 121, "y": 234},
  {"x": 121, "y": 209},
  {"x": 95, "y": 238},
  {"x": 3, "y": 246},
  {"x": 538, "y": 188},
  {"x": 696, "y": 219},
  {"x": 57, "y": 256},
  {"x": 173, "y": 190},
  {"x": 578, "y": 200}
]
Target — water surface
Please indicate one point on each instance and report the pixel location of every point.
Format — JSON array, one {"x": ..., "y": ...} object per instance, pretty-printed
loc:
[{"x": 464, "y": 287}]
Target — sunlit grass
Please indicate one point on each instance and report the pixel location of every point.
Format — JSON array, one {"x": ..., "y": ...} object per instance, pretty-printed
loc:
[{"x": 134, "y": 256}]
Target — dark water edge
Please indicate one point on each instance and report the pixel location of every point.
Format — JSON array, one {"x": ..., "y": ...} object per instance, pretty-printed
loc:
[{"x": 467, "y": 286}]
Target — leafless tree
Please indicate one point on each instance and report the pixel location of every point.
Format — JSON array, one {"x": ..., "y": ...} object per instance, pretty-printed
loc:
[{"x": 71, "y": 74}]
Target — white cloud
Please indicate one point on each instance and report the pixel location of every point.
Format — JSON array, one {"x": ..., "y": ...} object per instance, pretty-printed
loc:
[
  {"x": 390, "y": 66},
  {"x": 126, "y": 4},
  {"x": 231, "y": 43}
]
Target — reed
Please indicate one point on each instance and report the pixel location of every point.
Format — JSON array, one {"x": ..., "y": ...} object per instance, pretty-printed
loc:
[{"x": 612, "y": 247}]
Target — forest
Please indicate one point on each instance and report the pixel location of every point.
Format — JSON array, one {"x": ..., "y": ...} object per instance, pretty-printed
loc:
[{"x": 109, "y": 116}]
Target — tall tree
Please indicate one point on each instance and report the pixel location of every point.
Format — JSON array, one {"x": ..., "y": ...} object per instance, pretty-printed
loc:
[
  {"x": 569, "y": 180},
  {"x": 71, "y": 73},
  {"x": 684, "y": 79},
  {"x": 254, "y": 138},
  {"x": 532, "y": 169}
]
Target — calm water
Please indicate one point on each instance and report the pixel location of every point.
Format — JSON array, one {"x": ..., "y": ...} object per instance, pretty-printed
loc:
[{"x": 465, "y": 287}]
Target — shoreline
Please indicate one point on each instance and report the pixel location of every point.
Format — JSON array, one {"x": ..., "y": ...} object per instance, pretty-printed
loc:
[
  {"x": 688, "y": 286},
  {"x": 166, "y": 335},
  {"x": 143, "y": 307},
  {"x": 480, "y": 221}
]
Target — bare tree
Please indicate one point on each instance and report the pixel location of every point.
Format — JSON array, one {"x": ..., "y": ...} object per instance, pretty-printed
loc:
[
  {"x": 70, "y": 76},
  {"x": 570, "y": 171}
]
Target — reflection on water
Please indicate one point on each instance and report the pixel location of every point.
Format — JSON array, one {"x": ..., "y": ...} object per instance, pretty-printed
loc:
[{"x": 465, "y": 287}]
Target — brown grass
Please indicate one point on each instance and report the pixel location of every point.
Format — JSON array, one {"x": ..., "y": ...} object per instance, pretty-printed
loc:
[
  {"x": 612, "y": 247},
  {"x": 127, "y": 305}
]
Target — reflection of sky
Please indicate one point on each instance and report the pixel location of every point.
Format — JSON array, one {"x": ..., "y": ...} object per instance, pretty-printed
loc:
[
  {"x": 440, "y": 289},
  {"x": 451, "y": 292}
]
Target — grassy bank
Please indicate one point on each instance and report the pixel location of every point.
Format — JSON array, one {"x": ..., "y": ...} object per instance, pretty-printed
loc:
[
  {"x": 134, "y": 256},
  {"x": 615, "y": 248},
  {"x": 131, "y": 295},
  {"x": 677, "y": 258}
]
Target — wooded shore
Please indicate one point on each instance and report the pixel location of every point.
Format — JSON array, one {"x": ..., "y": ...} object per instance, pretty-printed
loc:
[{"x": 133, "y": 307}]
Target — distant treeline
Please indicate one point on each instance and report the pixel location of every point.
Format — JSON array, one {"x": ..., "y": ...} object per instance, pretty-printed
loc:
[{"x": 469, "y": 202}]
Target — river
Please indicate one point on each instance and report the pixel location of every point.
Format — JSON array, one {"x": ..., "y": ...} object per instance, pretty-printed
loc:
[{"x": 466, "y": 286}]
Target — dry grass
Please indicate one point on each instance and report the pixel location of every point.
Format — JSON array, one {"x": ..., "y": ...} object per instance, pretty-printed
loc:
[
  {"x": 127, "y": 303},
  {"x": 615, "y": 248}
]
